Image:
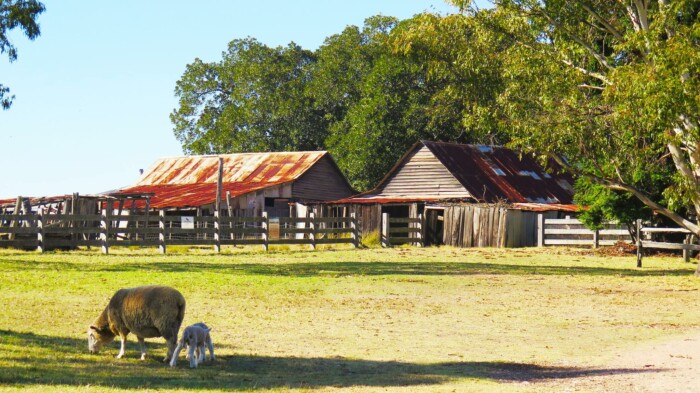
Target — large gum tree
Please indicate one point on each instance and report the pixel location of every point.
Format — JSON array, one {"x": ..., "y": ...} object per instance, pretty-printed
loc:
[{"x": 610, "y": 89}]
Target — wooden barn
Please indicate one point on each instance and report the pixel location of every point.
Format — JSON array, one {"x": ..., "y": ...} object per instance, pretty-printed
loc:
[
  {"x": 250, "y": 183},
  {"x": 468, "y": 195}
]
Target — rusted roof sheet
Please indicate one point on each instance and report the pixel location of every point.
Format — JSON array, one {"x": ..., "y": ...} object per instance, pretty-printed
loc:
[
  {"x": 491, "y": 174},
  {"x": 190, "y": 181},
  {"x": 238, "y": 168},
  {"x": 496, "y": 173},
  {"x": 545, "y": 207}
]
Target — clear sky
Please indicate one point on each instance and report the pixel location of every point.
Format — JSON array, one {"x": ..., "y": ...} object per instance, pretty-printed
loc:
[{"x": 94, "y": 91}]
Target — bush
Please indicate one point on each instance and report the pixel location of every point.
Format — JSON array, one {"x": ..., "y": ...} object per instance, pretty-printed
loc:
[{"x": 372, "y": 240}]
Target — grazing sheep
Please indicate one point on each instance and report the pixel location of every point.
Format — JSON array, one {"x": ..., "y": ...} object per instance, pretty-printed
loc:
[
  {"x": 148, "y": 311},
  {"x": 195, "y": 337}
]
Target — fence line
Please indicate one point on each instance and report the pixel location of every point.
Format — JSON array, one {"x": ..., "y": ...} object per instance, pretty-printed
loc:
[
  {"x": 687, "y": 246},
  {"x": 572, "y": 232},
  {"x": 46, "y": 231}
]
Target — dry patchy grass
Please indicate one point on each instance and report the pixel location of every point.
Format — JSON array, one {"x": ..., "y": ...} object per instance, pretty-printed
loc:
[{"x": 404, "y": 319}]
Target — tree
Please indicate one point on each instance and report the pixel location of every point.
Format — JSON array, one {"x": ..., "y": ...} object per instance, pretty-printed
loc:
[
  {"x": 252, "y": 100},
  {"x": 421, "y": 78},
  {"x": 341, "y": 78},
  {"x": 366, "y": 95},
  {"x": 609, "y": 90},
  {"x": 14, "y": 14}
]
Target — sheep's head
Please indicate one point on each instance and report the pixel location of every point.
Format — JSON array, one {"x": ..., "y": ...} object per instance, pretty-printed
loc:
[
  {"x": 97, "y": 337},
  {"x": 188, "y": 337}
]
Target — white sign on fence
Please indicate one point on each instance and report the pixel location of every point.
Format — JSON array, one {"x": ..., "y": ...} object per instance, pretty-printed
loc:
[{"x": 187, "y": 222}]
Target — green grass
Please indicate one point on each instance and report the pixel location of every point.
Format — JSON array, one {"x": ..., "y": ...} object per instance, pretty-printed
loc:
[{"x": 411, "y": 319}]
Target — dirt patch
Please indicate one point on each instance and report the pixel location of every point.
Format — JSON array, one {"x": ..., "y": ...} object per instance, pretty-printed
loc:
[
  {"x": 670, "y": 366},
  {"x": 619, "y": 249}
]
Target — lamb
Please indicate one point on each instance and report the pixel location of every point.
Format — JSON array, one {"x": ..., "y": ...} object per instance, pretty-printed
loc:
[
  {"x": 147, "y": 311},
  {"x": 195, "y": 336}
]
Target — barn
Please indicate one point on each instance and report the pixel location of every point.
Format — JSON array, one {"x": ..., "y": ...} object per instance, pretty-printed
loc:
[
  {"x": 468, "y": 195},
  {"x": 250, "y": 183}
]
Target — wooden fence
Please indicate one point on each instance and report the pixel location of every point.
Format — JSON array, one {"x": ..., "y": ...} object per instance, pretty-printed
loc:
[
  {"x": 401, "y": 230},
  {"x": 572, "y": 232},
  {"x": 648, "y": 232},
  {"x": 40, "y": 231}
]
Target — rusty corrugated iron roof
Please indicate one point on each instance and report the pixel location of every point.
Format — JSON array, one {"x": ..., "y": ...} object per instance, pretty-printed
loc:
[
  {"x": 491, "y": 174},
  {"x": 190, "y": 181},
  {"x": 496, "y": 173}
]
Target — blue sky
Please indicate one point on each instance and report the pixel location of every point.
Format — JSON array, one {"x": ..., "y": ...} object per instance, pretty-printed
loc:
[{"x": 94, "y": 91}]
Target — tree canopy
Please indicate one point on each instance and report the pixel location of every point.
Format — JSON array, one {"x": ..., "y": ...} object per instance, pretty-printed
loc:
[
  {"x": 254, "y": 99},
  {"x": 14, "y": 14},
  {"x": 609, "y": 89},
  {"x": 366, "y": 95}
]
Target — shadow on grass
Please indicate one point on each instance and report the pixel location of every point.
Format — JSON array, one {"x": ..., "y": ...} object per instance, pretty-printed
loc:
[
  {"x": 38, "y": 359},
  {"x": 332, "y": 269}
]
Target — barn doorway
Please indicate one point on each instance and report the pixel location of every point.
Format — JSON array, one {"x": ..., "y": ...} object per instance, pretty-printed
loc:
[{"x": 434, "y": 226}]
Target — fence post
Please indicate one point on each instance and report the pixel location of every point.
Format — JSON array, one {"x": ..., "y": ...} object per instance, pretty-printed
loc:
[
  {"x": 217, "y": 232},
  {"x": 540, "y": 230},
  {"x": 71, "y": 222},
  {"x": 640, "y": 250},
  {"x": 161, "y": 231},
  {"x": 419, "y": 230},
  {"x": 596, "y": 238},
  {"x": 312, "y": 227},
  {"x": 104, "y": 230},
  {"x": 353, "y": 226},
  {"x": 386, "y": 242},
  {"x": 266, "y": 231},
  {"x": 40, "y": 231},
  {"x": 686, "y": 252}
]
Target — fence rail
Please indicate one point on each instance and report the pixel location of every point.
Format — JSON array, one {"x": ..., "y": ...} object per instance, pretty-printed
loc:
[
  {"x": 572, "y": 232},
  {"x": 687, "y": 246},
  {"x": 44, "y": 232}
]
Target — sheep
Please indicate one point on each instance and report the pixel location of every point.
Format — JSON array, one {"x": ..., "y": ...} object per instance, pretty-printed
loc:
[
  {"x": 207, "y": 341},
  {"x": 195, "y": 337},
  {"x": 147, "y": 311}
]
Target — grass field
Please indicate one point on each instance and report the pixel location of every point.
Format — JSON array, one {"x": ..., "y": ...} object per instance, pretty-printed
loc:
[{"x": 406, "y": 320}]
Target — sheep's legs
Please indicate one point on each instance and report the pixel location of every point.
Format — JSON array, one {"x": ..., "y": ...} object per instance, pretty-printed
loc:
[
  {"x": 176, "y": 353},
  {"x": 122, "y": 337},
  {"x": 172, "y": 344},
  {"x": 142, "y": 344}
]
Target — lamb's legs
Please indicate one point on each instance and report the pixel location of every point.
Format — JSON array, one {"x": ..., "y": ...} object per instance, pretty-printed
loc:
[
  {"x": 193, "y": 356},
  {"x": 202, "y": 353},
  {"x": 211, "y": 349},
  {"x": 142, "y": 344}
]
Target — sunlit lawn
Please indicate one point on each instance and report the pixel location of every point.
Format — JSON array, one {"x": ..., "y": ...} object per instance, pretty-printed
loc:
[{"x": 434, "y": 319}]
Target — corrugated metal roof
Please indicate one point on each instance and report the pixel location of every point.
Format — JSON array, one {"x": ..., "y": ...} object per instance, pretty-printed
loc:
[
  {"x": 238, "y": 168},
  {"x": 190, "y": 181},
  {"x": 496, "y": 173},
  {"x": 490, "y": 173}
]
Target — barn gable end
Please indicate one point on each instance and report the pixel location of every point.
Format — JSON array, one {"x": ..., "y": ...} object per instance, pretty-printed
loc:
[
  {"x": 421, "y": 174},
  {"x": 322, "y": 182}
]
